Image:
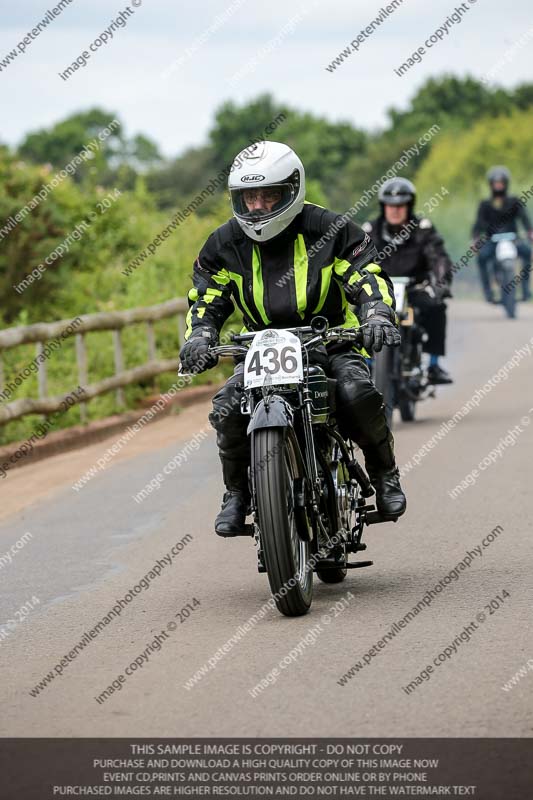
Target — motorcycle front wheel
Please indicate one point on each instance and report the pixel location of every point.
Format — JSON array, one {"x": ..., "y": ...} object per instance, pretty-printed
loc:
[
  {"x": 407, "y": 407},
  {"x": 509, "y": 291},
  {"x": 384, "y": 363},
  {"x": 286, "y": 554}
]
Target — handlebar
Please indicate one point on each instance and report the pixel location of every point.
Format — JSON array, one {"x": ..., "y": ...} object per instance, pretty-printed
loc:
[{"x": 318, "y": 331}]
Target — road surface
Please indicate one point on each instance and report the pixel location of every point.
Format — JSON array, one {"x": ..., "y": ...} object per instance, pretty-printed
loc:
[{"x": 89, "y": 548}]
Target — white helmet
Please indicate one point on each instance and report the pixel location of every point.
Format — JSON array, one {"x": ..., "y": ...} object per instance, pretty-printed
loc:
[{"x": 276, "y": 170}]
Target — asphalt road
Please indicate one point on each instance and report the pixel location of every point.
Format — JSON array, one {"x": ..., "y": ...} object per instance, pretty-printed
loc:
[{"x": 90, "y": 547}]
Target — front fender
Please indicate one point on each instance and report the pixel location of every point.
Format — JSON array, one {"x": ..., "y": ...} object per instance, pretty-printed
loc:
[{"x": 278, "y": 414}]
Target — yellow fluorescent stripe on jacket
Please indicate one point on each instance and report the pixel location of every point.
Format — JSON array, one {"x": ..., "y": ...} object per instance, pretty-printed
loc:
[
  {"x": 301, "y": 266},
  {"x": 325, "y": 282},
  {"x": 258, "y": 287},
  {"x": 237, "y": 279}
]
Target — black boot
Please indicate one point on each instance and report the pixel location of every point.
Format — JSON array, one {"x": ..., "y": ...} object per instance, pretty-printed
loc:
[
  {"x": 236, "y": 500},
  {"x": 437, "y": 375},
  {"x": 390, "y": 499},
  {"x": 385, "y": 478}
]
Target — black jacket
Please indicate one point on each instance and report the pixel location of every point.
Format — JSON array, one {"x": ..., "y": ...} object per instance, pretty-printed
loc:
[
  {"x": 503, "y": 219},
  {"x": 317, "y": 264},
  {"x": 417, "y": 251}
]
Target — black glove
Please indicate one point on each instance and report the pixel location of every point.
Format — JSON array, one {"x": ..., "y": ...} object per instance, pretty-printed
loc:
[
  {"x": 194, "y": 355},
  {"x": 429, "y": 296},
  {"x": 442, "y": 292},
  {"x": 379, "y": 327}
]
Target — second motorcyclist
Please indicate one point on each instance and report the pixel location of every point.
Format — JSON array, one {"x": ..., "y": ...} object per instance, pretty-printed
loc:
[{"x": 410, "y": 246}]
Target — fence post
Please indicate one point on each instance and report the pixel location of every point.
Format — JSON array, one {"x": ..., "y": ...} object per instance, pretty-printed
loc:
[
  {"x": 83, "y": 376},
  {"x": 150, "y": 334},
  {"x": 42, "y": 377},
  {"x": 181, "y": 328},
  {"x": 119, "y": 364}
]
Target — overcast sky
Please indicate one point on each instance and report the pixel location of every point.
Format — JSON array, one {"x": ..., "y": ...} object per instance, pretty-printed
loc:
[{"x": 130, "y": 75}]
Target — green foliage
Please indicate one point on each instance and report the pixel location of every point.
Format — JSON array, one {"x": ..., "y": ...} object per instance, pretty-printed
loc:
[{"x": 92, "y": 236}]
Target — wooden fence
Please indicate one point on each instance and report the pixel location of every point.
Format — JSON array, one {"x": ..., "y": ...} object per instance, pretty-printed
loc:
[{"x": 114, "y": 321}]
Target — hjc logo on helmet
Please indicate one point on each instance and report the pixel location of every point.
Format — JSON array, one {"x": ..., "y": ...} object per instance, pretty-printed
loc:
[{"x": 252, "y": 178}]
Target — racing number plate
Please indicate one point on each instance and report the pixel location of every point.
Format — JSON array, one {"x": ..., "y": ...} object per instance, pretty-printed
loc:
[
  {"x": 274, "y": 357},
  {"x": 399, "y": 294}
]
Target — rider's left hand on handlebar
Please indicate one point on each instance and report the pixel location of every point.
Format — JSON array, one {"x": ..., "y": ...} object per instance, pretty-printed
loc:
[
  {"x": 442, "y": 293},
  {"x": 378, "y": 331},
  {"x": 379, "y": 326}
]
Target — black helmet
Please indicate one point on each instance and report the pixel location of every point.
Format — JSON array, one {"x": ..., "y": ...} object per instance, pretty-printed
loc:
[
  {"x": 497, "y": 174},
  {"x": 397, "y": 192}
]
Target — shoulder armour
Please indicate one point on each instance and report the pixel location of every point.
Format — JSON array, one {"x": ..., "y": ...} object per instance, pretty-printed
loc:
[
  {"x": 229, "y": 233},
  {"x": 316, "y": 219},
  {"x": 425, "y": 223},
  {"x": 367, "y": 226}
]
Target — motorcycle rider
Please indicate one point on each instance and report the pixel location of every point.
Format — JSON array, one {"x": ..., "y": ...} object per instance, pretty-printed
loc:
[
  {"x": 409, "y": 246},
  {"x": 501, "y": 213},
  {"x": 283, "y": 261}
]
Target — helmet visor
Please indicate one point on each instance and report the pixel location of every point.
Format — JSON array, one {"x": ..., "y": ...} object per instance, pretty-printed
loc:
[
  {"x": 396, "y": 199},
  {"x": 255, "y": 204}
]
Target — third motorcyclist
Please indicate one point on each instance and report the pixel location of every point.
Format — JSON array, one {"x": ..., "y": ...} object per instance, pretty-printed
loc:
[{"x": 501, "y": 213}]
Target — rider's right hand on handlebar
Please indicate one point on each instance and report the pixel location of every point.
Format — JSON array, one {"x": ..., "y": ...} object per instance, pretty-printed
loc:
[{"x": 195, "y": 356}]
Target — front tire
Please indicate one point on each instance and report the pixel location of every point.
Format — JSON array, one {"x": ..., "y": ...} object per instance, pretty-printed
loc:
[
  {"x": 407, "y": 408},
  {"x": 383, "y": 379},
  {"x": 286, "y": 555},
  {"x": 509, "y": 297}
]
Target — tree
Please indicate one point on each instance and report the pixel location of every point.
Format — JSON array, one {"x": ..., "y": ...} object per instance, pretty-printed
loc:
[
  {"x": 182, "y": 178},
  {"x": 450, "y": 102},
  {"x": 323, "y": 146},
  {"x": 116, "y": 161}
]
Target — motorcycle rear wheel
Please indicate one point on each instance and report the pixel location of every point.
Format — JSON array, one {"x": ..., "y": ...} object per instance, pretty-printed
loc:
[{"x": 339, "y": 475}]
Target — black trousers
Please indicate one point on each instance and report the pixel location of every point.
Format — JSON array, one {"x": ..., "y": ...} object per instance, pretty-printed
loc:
[
  {"x": 359, "y": 413},
  {"x": 433, "y": 320}
]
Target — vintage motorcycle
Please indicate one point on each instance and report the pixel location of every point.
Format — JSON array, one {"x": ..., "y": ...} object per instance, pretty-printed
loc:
[
  {"x": 504, "y": 264},
  {"x": 399, "y": 373},
  {"x": 309, "y": 492}
]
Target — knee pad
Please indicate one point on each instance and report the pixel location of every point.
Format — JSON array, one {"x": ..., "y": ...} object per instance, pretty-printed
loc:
[
  {"x": 229, "y": 423},
  {"x": 226, "y": 407},
  {"x": 358, "y": 395}
]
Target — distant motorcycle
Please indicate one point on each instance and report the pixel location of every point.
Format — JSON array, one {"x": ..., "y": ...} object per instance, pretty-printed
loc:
[
  {"x": 504, "y": 265},
  {"x": 308, "y": 489},
  {"x": 399, "y": 373}
]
